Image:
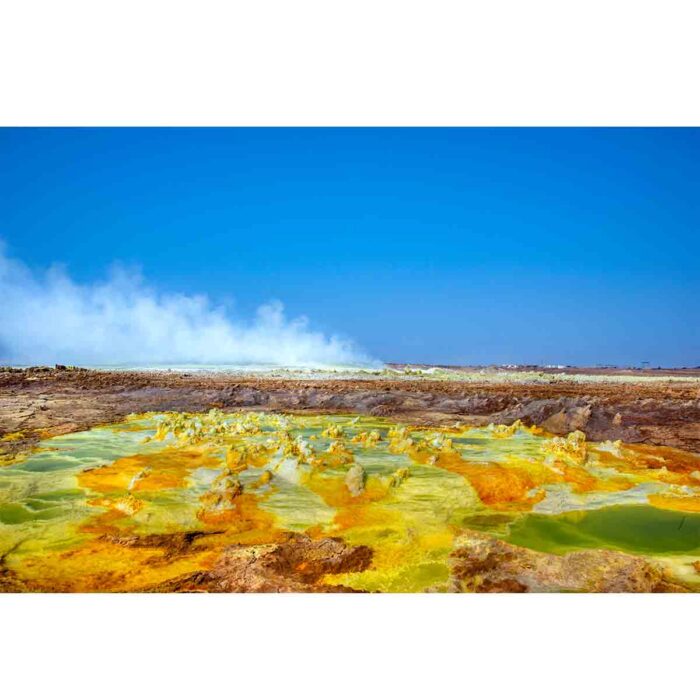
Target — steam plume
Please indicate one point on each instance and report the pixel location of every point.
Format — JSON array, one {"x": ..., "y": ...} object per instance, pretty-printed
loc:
[{"x": 48, "y": 318}]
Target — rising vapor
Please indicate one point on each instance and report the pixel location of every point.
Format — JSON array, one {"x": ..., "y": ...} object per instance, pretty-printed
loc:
[{"x": 48, "y": 318}]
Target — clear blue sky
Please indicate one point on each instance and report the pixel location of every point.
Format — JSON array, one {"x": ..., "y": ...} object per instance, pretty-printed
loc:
[{"x": 576, "y": 246}]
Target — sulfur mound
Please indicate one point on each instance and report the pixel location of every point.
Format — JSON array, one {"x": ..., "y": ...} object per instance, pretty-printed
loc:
[
  {"x": 355, "y": 480},
  {"x": 571, "y": 448}
]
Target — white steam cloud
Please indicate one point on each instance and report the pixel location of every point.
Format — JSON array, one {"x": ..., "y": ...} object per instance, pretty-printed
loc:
[{"x": 49, "y": 318}]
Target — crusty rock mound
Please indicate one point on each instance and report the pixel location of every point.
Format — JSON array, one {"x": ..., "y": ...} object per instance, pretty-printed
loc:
[
  {"x": 483, "y": 564},
  {"x": 295, "y": 565}
]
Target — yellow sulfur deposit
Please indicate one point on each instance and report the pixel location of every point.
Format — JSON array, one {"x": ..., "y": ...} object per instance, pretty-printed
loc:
[
  {"x": 571, "y": 448},
  {"x": 136, "y": 505}
]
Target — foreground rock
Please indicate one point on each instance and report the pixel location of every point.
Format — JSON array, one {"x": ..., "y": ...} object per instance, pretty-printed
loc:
[
  {"x": 296, "y": 565},
  {"x": 482, "y": 564}
]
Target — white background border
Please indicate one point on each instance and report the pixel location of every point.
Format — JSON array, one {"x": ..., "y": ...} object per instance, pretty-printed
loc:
[
  {"x": 369, "y": 62},
  {"x": 349, "y": 646}
]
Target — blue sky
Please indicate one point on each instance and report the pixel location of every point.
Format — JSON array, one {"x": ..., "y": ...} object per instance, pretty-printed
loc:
[{"x": 575, "y": 246}]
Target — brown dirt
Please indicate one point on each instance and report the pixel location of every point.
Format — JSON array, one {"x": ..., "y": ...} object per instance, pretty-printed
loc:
[{"x": 41, "y": 402}]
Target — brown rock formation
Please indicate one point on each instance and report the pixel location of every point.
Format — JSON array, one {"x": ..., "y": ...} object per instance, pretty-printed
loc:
[
  {"x": 482, "y": 564},
  {"x": 295, "y": 565}
]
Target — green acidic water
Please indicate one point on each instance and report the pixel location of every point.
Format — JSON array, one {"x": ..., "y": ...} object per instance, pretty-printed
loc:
[{"x": 636, "y": 529}]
